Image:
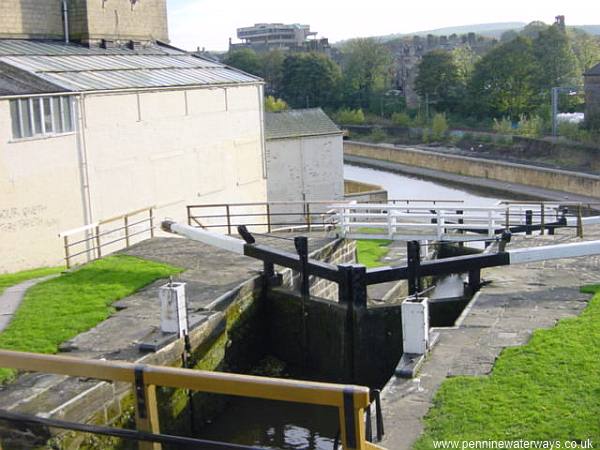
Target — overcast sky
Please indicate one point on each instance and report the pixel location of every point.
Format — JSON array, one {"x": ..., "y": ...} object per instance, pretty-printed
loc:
[{"x": 210, "y": 23}]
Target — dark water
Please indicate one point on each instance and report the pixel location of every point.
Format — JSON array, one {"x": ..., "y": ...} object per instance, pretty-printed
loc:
[
  {"x": 275, "y": 425},
  {"x": 281, "y": 425}
]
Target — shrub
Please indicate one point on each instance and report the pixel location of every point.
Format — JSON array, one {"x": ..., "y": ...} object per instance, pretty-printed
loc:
[
  {"x": 503, "y": 126},
  {"x": 350, "y": 116},
  {"x": 377, "y": 135},
  {"x": 531, "y": 127},
  {"x": 439, "y": 127},
  {"x": 573, "y": 131},
  {"x": 426, "y": 135},
  {"x": 273, "y": 104},
  {"x": 401, "y": 119}
]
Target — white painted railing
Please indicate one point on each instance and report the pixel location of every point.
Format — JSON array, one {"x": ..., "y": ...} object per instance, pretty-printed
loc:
[{"x": 439, "y": 221}]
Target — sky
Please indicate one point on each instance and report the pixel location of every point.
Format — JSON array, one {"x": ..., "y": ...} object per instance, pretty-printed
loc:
[{"x": 210, "y": 23}]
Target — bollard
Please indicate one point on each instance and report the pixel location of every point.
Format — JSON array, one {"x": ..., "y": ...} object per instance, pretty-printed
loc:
[
  {"x": 173, "y": 308},
  {"x": 415, "y": 325},
  {"x": 474, "y": 279}
]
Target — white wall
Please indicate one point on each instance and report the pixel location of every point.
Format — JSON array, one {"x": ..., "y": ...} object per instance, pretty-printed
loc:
[
  {"x": 313, "y": 166},
  {"x": 148, "y": 148}
]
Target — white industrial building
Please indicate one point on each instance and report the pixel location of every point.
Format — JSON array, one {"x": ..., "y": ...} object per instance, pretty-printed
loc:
[{"x": 92, "y": 131}]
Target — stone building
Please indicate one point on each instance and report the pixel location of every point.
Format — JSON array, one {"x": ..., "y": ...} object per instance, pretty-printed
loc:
[
  {"x": 305, "y": 156},
  {"x": 112, "y": 123},
  {"x": 409, "y": 51},
  {"x": 592, "y": 97},
  {"x": 89, "y": 21}
]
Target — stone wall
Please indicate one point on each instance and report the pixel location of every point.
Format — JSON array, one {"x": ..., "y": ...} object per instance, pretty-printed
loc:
[
  {"x": 592, "y": 100},
  {"x": 31, "y": 19},
  {"x": 89, "y": 20},
  {"x": 559, "y": 180}
]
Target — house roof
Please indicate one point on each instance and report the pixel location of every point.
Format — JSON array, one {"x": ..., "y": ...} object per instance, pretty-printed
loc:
[
  {"x": 298, "y": 123},
  {"x": 76, "y": 68},
  {"x": 17, "y": 82},
  {"x": 593, "y": 71}
]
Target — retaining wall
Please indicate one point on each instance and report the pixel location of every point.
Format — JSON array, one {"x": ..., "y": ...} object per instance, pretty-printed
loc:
[{"x": 559, "y": 180}]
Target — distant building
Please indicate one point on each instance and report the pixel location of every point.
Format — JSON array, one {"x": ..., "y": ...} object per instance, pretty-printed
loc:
[
  {"x": 305, "y": 156},
  {"x": 113, "y": 123},
  {"x": 592, "y": 97},
  {"x": 264, "y": 37},
  {"x": 409, "y": 51}
]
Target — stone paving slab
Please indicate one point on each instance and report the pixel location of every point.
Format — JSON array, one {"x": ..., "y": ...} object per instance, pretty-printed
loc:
[{"x": 504, "y": 314}]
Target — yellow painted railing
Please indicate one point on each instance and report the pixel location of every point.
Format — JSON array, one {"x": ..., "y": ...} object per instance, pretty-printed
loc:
[{"x": 350, "y": 400}]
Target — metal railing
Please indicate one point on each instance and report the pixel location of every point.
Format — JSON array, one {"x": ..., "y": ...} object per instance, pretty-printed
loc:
[
  {"x": 98, "y": 239},
  {"x": 458, "y": 223},
  {"x": 277, "y": 216},
  {"x": 351, "y": 401}
]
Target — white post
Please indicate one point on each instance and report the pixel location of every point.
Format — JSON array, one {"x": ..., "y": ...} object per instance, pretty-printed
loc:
[
  {"x": 173, "y": 309},
  {"x": 415, "y": 325}
]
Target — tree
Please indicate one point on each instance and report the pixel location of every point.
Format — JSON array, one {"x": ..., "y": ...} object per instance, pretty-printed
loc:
[
  {"x": 309, "y": 80},
  {"x": 586, "y": 49},
  {"x": 272, "y": 70},
  {"x": 244, "y": 59},
  {"x": 533, "y": 29},
  {"x": 367, "y": 69},
  {"x": 438, "y": 79},
  {"x": 465, "y": 59},
  {"x": 504, "y": 81},
  {"x": 273, "y": 104},
  {"x": 556, "y": 62}
]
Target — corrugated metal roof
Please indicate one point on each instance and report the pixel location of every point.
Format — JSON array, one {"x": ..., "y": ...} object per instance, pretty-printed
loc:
[
  {"x": 298, "y": 123},
  {"x": 78, "y": 68},
  {"x": 16, "y": 82}
]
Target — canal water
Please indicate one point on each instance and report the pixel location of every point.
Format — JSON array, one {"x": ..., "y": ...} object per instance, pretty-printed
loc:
[{"x": 279, "y": 425}]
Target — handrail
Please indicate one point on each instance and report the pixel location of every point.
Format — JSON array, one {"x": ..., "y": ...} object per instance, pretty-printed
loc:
[
  {"x": 94, "y": 234},
  {"x": 350, "y": 400}
]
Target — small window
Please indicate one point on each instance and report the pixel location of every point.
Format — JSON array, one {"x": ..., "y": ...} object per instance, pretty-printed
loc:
[{"x": 41, "y": 116}]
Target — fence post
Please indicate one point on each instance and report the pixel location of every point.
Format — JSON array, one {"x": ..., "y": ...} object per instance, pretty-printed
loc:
[
  {"x": 507, "y": 218},
  {"x": 528, "y": 221},
  {"x": 474, "y": 279},
  {"x": 189, "y": 215},
  {"x": 301, "y": 244},
  {"x": 413, "y": 250},
  {"x": 542, "y": 219},
  {"x": 228, "y": 219},
  {"x": 308, "y": 219},
  {"x": 461, "y": 221},
  {"x": 146, "y": 409},
  {"x": 126, "y": 223},
  {"x": 98, "y": 249},
  {"x": 580, "y": 221},
  {"x": 268, "y": 218},
  {"x": 151, "y": 213}
]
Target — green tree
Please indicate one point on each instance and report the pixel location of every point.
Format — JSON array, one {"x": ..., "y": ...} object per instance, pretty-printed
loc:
[
  {"x": 309, "y": 80},
  {"x": 465, "y": 59},
  {"x": 367, "y": 69},
  {"x": 586, "y": 48},
  {"x": 438, "y": 79},
  {"x": 503, "y": 82},
  {"x": 556, "y": 61},
  {"x": 273, "y": 104},
  {"x": 244, "y": 59},
  {"x": 272, "y": 70},
  {"x": 533, "y": 29}
]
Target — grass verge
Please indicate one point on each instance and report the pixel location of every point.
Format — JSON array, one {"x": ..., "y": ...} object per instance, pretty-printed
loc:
[
  {"x": 370, "y": 252},
  {"x": 546, "y": 390},
  {"x": 61, "y": 308},
  {"x": 12, "y": 279}
]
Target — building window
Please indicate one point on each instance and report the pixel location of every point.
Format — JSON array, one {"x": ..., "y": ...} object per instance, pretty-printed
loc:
[{"x": 41, "y": 116}]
